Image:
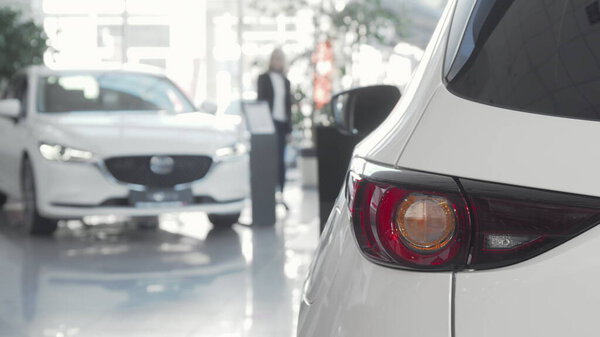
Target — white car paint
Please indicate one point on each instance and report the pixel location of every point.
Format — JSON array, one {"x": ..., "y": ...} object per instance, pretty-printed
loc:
[
  {"x": 432, "y": 130},
  {"x": 110, "y": 134},
  {"x": 555, "y": 294},
  {"x": 346, "y": 295}
]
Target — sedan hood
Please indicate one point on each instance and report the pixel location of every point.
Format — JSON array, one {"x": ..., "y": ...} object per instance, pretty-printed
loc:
[{"x": 110, "y": 134}]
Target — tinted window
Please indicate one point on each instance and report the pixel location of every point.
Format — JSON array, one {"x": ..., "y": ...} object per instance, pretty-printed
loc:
[
  {"x": 110, "y": 91},
  {"x": 540, "y": 56}
]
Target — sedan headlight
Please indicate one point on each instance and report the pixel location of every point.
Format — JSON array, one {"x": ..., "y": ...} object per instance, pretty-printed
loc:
[
  {"x": 65, "y": 153},
  {"x": 234, "y": 150}
]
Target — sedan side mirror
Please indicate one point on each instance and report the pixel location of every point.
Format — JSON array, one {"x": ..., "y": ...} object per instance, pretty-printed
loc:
[
  {"x": 360, "y": 111},
  {"x": 10, "y": 108},
  {"x": 209, "y": 107}
]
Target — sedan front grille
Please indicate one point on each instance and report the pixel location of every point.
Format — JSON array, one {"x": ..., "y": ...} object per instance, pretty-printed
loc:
[{"x": 140, "y": 170}]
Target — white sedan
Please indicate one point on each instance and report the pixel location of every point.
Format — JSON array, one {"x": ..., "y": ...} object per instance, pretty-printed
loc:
[
  {"x": 473, "y": 210},
  {"x": 115, "y": 142}
]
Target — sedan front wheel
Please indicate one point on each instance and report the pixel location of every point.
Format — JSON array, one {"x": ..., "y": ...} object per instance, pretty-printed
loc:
[
  {"x": 224, "y": 220},
  {"x": 3, "y": 199},
  {"x": 35, "y": 224}
]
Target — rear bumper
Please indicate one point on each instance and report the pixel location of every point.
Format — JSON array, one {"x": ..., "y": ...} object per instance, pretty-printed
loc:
[
  {"x": 73, "y": 190},
  {"x": 554, "y": 294}
]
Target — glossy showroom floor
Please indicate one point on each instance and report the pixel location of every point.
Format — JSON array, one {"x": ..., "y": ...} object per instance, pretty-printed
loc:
[{"x": 184, "y": 279}]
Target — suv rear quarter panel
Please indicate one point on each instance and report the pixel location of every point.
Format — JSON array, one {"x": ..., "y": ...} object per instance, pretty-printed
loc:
[
  {"x": 350, "y": 296},
  {"x": 466, "y": 139},
  {"x": 386, "y": 143}
]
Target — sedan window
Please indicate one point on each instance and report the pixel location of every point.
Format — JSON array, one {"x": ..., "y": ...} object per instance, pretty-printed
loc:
[{"x": 110, "y": 91}]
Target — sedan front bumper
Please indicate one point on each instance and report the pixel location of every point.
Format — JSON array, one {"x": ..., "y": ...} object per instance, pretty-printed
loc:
[{"x": 74, "y": 190}]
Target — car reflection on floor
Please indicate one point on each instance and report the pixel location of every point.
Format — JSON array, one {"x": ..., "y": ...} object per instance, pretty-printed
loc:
[{"x": 184, "y": 279}]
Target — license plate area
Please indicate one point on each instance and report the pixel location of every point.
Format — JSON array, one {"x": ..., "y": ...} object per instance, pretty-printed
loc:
[{"x": 161, "y": 198}]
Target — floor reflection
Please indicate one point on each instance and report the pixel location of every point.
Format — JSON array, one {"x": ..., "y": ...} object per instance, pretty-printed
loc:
[{"x": 184, "y": 279}]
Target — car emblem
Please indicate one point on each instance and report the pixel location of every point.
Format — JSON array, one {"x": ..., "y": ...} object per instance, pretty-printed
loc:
[{"x": 162, "y": 165}]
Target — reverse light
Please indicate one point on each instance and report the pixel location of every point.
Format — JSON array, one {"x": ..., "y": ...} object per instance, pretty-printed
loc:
[
  {"x": 505, "y": 241},
  {"x": 64, "y": 153},
  {"x": 421, "y": 221}
]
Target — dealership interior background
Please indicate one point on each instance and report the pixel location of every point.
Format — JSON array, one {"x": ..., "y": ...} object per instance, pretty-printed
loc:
[{"x": 104, "y": 276}]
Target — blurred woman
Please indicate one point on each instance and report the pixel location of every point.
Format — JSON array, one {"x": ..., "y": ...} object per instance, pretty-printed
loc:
[{"x": 274, "y": 88}]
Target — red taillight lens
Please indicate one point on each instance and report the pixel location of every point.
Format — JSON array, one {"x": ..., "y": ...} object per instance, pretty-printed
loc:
[
  {"x": 410, "y": 224},
  {"x": 423, "y": 221},
  {"x": 513, "y": 224}
]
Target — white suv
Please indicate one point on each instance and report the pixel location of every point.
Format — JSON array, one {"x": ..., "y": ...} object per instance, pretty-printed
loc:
[
  {"x": 97, "y": 142},
  {"x": 472, "y": 211}
]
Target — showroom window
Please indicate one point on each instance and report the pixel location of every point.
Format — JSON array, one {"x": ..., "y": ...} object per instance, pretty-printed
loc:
[{"x": 539, "y": 56}]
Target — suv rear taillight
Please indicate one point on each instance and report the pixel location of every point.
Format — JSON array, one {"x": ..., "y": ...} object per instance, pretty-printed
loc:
[
  {"x": 412, "y": 220},
  {"x": 422, "y": 221}
]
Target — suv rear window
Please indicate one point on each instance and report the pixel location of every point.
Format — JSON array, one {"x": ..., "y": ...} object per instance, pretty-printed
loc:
[{"x": 540, "y": 56}]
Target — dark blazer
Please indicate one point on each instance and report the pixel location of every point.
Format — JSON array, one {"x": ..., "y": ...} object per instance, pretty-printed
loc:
[{"x": 266, "y": 93}]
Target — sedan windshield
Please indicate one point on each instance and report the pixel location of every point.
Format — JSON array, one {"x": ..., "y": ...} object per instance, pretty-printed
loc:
[{"x": 109, "y": 91}]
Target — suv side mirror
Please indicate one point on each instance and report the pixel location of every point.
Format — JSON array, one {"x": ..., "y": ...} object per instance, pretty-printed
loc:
[
  {"x": 10, "y": 108},
  {"x": 360, "y": 111},
  {"x": 209, "y": 107}
]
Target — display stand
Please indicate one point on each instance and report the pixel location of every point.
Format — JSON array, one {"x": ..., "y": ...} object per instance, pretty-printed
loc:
[{"x": 263, "y": 161}]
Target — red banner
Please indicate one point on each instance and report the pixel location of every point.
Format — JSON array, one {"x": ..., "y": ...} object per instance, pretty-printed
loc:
[{"x": 322, "y": 59}]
